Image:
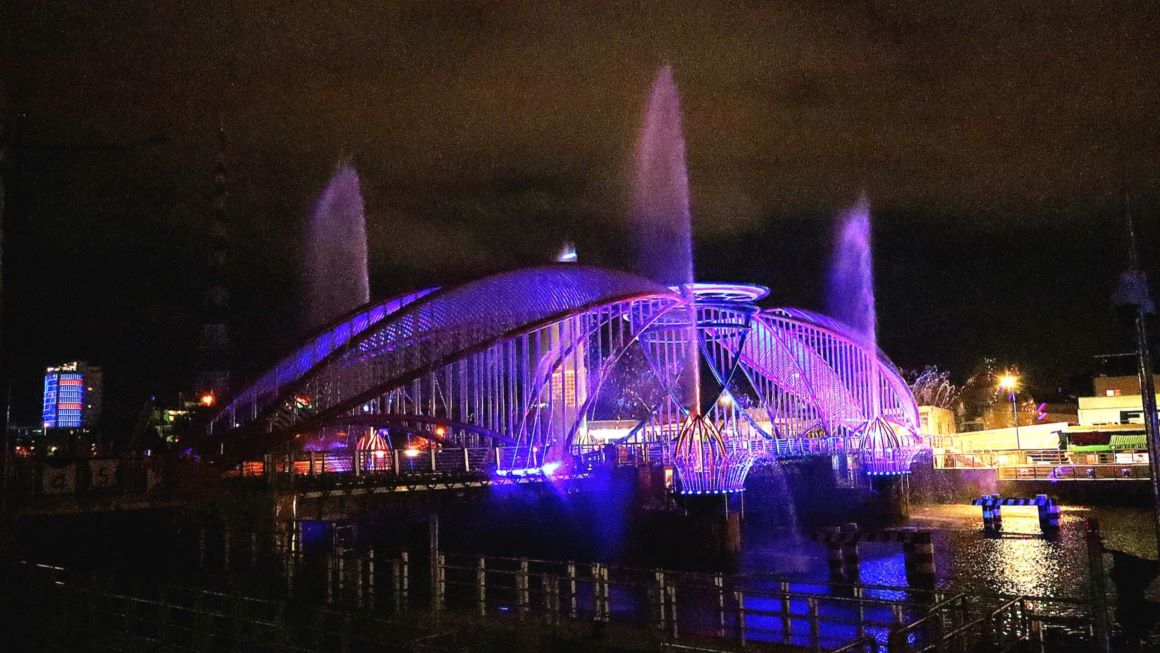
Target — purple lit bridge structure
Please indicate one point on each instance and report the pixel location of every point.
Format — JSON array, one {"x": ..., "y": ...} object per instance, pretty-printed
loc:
[{"x": 530, "y": 372}]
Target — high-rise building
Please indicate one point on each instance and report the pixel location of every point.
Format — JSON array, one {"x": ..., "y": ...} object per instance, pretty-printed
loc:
[{"x": 72, "y": 396}]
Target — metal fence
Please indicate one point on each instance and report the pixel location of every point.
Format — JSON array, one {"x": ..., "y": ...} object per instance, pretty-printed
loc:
[
  {"x": 732, "y": 611},
  {"x": 1045, "y": 464},
  {"x": 333, "y": 600}
]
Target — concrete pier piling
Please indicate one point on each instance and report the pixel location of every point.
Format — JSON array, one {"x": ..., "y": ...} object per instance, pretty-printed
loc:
[
  {"x": 918, "y": 556},
  {"x": 850, "y": 558},
  {"x": 992, "y": 513},
  {"x": 834, "y": 552}
]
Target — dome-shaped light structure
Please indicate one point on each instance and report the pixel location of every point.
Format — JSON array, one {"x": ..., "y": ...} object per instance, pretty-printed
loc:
[
  {"x": 885, "y": 449},
  {"x": 703, "y": 463},
  {"x": 696, "y": 352}
]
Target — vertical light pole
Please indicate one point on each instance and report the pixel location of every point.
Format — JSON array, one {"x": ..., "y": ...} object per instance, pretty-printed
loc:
[
  {"x": 1132, "y": 294},
  {"x": 1010, "y": 383}
]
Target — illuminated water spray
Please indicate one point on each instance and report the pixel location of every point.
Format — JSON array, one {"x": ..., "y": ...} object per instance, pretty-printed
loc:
[
  {"x": 850, "y": 287},
  {"x": 336, "y": 250},
  {"x": 660, "y": 189},
  {"x": 664, "y": 228},
  {"x": 884, "y": 448},
  {"x": 674, "y": 345}
]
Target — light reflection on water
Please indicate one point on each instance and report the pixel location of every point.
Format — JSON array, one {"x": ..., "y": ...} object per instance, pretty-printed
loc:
[{"x": 1021, "y": 561}]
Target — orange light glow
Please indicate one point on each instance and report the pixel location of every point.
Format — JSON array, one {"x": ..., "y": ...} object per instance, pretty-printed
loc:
[
  {"x": 208, "y": 400},
  {"x": 1009, "y": 382}
]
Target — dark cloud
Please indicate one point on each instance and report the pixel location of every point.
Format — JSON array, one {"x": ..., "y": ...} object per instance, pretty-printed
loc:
[{"x": 989, "y": 136}]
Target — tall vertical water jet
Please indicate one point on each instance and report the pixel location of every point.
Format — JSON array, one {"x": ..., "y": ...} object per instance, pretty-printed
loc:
[
  {"x": 884, "y": 448},
  {"x": 336, "y": 250},
  {"x": 664, "y": 223},
  {"x": 660, "y": 189},
  {"x": 850, "y": 287},
  {"x": 664, "y": 252}
]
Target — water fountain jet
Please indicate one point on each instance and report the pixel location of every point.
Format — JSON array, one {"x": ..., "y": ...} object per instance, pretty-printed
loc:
[
  {"x": 884, "y": 448},
  {"x": 336, "y": 250},
  {"x": 660, "y": 188},
  {"x": 704, "y": 461}
]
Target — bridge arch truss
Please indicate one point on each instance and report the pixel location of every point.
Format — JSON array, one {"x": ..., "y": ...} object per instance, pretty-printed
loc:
[{"x": 522, "y": 357}]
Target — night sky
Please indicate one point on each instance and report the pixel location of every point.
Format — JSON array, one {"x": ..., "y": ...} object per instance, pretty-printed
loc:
[{"x": 992, "y": 139}]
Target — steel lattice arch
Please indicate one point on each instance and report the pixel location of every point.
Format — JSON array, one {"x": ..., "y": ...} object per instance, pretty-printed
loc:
[{"x": 552, "y": 360}]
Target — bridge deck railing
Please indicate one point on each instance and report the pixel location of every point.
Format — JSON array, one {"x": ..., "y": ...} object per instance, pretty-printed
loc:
[
  {"x": 1073, "y": 472},
  {"x": 1044, "y": 464},
  {"x": 511, "y": 459},
  {"x": 634, "y": 453}
]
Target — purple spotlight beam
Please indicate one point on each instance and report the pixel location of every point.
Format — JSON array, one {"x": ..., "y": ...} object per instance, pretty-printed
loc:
[{"x": 336, "y": 250}]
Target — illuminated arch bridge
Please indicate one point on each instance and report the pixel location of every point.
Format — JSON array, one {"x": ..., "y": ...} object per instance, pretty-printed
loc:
[{"x": 551, "y": 361}]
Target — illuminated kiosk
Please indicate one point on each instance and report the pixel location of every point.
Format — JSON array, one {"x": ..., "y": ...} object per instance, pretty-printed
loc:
[{"x": 519, "y": 369}]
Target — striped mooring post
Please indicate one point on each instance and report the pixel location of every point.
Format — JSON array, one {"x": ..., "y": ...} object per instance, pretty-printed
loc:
[
  {"x": 993, "y": 516},
  {"x": 1048, "y": 514},
  {"x": 992, "y": 513},
  {"x": 918, "y": 555},
  {"x": 850, "y": 560},
  {"x": 835, "y": 551},
  {"x": 842, "y": 549}
]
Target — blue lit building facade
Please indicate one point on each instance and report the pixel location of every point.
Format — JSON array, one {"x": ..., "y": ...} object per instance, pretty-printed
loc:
[{"x": 72, "y": 396}]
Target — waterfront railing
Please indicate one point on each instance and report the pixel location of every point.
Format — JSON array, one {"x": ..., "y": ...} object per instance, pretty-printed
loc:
[{"x": 348, "y": 600}]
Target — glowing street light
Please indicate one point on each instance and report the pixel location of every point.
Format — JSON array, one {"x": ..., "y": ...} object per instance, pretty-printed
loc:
[{"x": 1009, "y": 383}]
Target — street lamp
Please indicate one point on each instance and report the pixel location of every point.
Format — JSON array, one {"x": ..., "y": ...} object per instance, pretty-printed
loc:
[{"x": 1010, "y": 383}]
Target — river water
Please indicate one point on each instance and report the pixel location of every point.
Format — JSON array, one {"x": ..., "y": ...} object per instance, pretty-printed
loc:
[{"x": 1019, "y": 562}]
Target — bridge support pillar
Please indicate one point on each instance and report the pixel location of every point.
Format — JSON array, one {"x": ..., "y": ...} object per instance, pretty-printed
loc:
[
  {"x": 893, "y": 494},
  {"x": 718, "y": 517}
]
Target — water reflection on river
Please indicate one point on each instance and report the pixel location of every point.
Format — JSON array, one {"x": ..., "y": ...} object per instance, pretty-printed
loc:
[{"x": 1021, "y": 561}]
